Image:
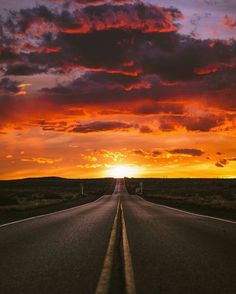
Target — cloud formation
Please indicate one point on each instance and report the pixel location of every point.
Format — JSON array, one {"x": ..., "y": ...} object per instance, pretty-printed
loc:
[
  {"x": 101, "y": 126},
  {"x": 125, "y": 52},
  {"x": 147, "y": 154},
  {"x": 9, "y": 86},
  {"x": 223, "y": 162},
  {"x": 230, "y": 22},
  {"x": 186, "y": 151},
  {"x": 136, "y": 16}
]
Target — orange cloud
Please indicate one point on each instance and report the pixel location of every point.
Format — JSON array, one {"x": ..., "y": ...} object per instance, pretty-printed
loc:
[
  {"x": 213, "y": 68},
  {"x": 229, "y": 21},
  {"x": 41, "y": 160}
]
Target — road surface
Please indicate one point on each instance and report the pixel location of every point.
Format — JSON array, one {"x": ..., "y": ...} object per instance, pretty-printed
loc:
[{"x": 119, "y": 243}]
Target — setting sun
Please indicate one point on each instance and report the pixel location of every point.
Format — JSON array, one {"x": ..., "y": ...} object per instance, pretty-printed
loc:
[{"x": 124, "y": 170}]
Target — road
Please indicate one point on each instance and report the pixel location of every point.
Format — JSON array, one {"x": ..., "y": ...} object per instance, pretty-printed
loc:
[{"x": 119, "y": 243}]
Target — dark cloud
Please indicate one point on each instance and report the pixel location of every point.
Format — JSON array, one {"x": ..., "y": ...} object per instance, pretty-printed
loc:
[
  {"x": 145, "y": 130},
  {"x": 156, "y": 152},
  {"x": 89, "y": 2},
  {"x": 139, "y": 152},
  {"x": 21, "y": 21},
  {"x": 186, "y": 151},
  {"x": 112, "y": 88},
  {"x": 232, "y": 159},
  {"x": 132, "y": 53},
  {"x": 115, "y": 31},
  {"x": 10, "y": 103},
  {"x": 130, "y": 38},
  {"x": 101, "y": 126},
  {"x": 87, "y": 127},
  {"x": 8, "y": 56},
  {"x": 191, "y": 123},
  {"x": 136, "y": 16},
  {"x": 223, "y": 162},
  {"x": 57, "y": 126},
  {"x": 100, "y": 88},
  {"x": 139, "y": 34},
  {"x": 147, "y": 154},
  {"x": 126, "y": 81},
  {"x": 7, "y": 85},
  {"x": 203, "y": 124},
  {"x": 184, "y": 58},
  {"x": 158, "y": 108},
  {"x": 229, "y": 21},
  {"x": 218, "y": 164},
  {"x": 24, "y": 69}
]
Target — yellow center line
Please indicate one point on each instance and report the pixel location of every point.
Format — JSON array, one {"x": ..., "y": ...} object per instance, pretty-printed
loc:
[
  {"x": 128, "y": 267},
  {"x": 104, "y": 280},
  {"x": 105, "y": 276}
]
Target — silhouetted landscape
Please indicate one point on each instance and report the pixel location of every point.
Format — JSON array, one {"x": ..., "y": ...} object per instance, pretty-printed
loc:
[
  {"x": 215, "y": 197},
  {"x": 28, "y": 197}
]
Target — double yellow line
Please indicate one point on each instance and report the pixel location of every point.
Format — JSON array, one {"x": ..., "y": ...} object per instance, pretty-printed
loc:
[
  {"x": 105, "y": 276},
  {"x": 128, "y": 267}
]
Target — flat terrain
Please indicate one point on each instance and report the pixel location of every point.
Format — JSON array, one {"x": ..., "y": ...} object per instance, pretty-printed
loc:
[
  {"x": 174, "y": 252},
  {"x": 156, "y": 250},
  {"x": 216, "y": 197},
  {"x": 29, "y": 197}
]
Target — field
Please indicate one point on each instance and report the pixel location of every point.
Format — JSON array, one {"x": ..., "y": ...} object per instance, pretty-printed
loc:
[
  {"x": 29, "y": 197},
  {"x": 216, "y": 197}
]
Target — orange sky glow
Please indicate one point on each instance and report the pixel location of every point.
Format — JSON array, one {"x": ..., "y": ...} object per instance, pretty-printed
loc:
[{"x": 95, "y": 93}]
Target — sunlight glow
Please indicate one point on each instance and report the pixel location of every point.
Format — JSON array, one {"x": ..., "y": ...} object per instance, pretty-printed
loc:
[{"x": 121, "y": 171}]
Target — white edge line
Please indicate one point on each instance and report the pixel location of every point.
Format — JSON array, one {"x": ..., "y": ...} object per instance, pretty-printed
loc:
[
  {"x": 191, "y": 213},
  {"x": 48, "y": 214}
]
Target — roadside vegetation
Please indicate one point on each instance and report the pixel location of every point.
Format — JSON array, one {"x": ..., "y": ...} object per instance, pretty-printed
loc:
[
  {"x": 29, "y": 197},
  {"x": 216, "y": 197}
]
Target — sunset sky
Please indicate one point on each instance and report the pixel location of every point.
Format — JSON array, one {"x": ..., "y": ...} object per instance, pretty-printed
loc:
[{"x": 87, "y": 86}]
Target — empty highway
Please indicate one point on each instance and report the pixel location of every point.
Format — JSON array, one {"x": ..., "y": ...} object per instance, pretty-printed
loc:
[{"x": 118, "y": 244}]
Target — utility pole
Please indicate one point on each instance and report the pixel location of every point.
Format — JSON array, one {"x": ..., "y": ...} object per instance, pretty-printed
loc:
[
  {"x": 82, "y": 189},
  {"x": 141, "y": 188}
]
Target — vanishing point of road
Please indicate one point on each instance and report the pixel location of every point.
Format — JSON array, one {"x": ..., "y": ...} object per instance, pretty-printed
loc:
[{"x": 118, "y": 244}]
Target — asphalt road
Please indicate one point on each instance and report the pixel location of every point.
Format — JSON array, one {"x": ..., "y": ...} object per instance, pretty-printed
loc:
[
  {"x": 58, "y": 253},
  {"x": 162, "y": 250}
]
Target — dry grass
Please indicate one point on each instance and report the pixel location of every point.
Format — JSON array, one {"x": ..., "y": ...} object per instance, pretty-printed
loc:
[
  {"x": 29, "y": 197},
  {"x": 211, "y": 196}
]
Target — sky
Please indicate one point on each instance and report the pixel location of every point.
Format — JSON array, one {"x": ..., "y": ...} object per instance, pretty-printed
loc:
[{"x": 89, "y": 87}]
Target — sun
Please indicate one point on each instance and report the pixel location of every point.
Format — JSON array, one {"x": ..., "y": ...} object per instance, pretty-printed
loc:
[{"x": 124, "y": 170}]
